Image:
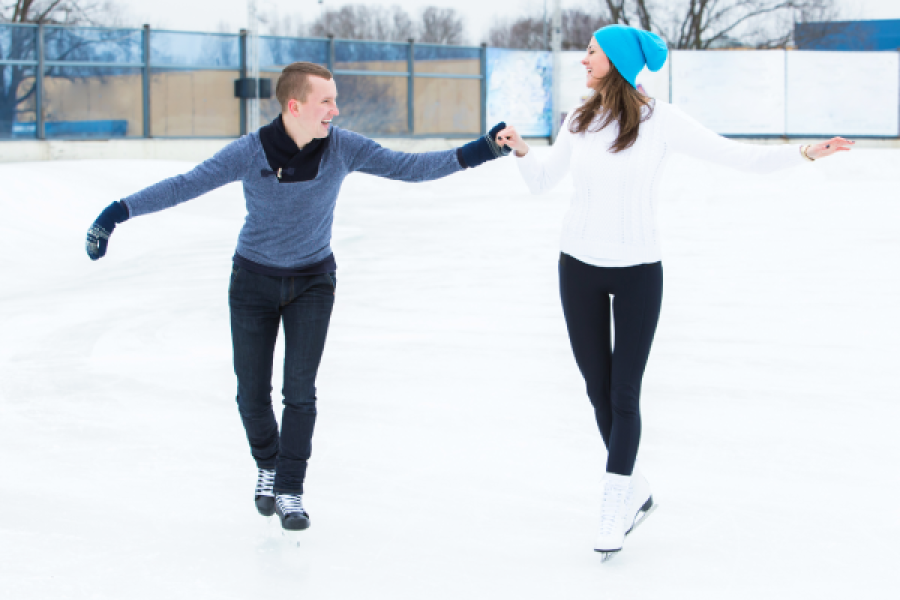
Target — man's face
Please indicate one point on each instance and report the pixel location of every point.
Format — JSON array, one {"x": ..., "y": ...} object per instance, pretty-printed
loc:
[{"x": 314, "y": 116}]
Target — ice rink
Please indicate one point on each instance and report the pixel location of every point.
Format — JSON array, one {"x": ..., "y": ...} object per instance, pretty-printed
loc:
[{"x": 455, "y": 455}]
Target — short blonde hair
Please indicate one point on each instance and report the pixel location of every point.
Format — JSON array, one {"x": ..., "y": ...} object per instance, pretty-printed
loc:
[{"x": 294, "y": 81}]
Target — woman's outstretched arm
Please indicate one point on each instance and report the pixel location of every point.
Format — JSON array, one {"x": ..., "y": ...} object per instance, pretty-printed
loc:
[
  {"x": 686, "y": 135},
  {"x": 540, "y": 176}
]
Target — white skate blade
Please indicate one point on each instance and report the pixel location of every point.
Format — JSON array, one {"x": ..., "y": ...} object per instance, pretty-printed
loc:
[{"x": 291, "y": 537}]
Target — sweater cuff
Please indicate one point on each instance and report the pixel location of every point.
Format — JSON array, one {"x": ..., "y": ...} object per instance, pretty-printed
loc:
[
  {"x": 128, "y": 209},
  {"x": 459, "y": 157},
  {"x": 525, "y": 162}
]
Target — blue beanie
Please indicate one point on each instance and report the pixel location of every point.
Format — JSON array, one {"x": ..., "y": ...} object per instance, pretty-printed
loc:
[{"x": 630, "y": 49}]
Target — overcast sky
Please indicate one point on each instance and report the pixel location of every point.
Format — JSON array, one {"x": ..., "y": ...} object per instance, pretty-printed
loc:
[{"x": 209, "y": 15}]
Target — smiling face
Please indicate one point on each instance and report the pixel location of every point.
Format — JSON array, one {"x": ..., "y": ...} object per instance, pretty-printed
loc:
[
  {"x": 311, "y": 119},
  {"x": 596, "y": 63}
]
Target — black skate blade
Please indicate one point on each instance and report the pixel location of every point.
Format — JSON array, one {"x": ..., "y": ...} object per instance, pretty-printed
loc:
[
  {"x": 642, "y": 515},
  {"x": 606, "y": 555}
]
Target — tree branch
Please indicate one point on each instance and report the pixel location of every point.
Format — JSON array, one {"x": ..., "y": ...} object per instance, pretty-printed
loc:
[
  {"x": 751, "y": 15},
  {"x": 21, "y": 13},
  {"x": 50, "y": 9},
  {"x": 27, "y": 94},
  {"x": 617, "y": 12},
  {"x": 643, "y": 15}
]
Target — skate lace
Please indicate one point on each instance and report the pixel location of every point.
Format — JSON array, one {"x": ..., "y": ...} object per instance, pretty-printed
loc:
[
  {"x": 611, "y": 509},
  {"x": 265, "y": 482},
  {"x": 290, "y": 503}
]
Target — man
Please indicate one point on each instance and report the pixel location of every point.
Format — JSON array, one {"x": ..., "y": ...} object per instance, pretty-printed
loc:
[{"x": 284, "y": 270}]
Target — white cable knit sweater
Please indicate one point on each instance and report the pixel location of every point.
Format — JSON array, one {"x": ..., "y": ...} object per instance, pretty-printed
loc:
[{"x": 612, "y": 219}]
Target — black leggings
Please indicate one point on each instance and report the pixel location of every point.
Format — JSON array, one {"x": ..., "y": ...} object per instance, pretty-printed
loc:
[{"x": 613, "y": 377}]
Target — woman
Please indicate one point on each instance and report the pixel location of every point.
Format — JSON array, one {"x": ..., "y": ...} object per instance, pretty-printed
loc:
[{"x": 617, "y": 145}]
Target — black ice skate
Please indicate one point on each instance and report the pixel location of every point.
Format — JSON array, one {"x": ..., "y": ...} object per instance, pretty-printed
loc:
[
  {"x": 265, "y": 496},
  {"x": 289, "y": 508}
]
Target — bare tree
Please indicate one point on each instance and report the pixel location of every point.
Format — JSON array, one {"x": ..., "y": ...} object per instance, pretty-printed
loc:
[
  {"x": 361, "y": 22},
  {"x": 532, "y": 33},
  {"x": 704, "y": 24},
  {"x": 278, "y": 24},
  {"x": 17, "y": 82},
  {"x": 524, "y": 33},
  {"x": 364, "y": 22},
  {"x": 631, "y": 12},
  {"x": 60, "y": 12},
  {"x": 578, "y": 26},
  {"x": 684, "y": 24},
  {"x": 441, "y": 26}
]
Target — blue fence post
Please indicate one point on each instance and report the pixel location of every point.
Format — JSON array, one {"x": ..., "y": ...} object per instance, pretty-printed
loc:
[
  {"x": 39, "y": 84},
  {"x": 484, "y": 83},
  {"x": 243, "y": 46},
  {"x": 145, "y": 81},
  {"x": 330, "y": 60},
  {"x": 411, "y": 89}
]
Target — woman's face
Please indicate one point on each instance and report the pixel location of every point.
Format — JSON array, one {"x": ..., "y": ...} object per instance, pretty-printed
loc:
[{"x": 596, "y": 63}]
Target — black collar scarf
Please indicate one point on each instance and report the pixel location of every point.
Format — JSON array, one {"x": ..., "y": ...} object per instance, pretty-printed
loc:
[{"x": 289, "y": 163}]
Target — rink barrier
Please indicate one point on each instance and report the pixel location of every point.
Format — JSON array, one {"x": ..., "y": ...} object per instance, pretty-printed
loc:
[
  {"x": 181, "y": 84},
  {"x": 196, "y": 150},
  {"x": 78, "y": 83}
]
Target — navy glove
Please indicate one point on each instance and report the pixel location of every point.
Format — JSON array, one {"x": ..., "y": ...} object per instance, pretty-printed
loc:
[
  {"x": 483, "y": 149},
  {"x": 98, "y": 234}
]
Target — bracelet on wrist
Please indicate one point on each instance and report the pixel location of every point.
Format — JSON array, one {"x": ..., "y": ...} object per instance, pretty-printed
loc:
[{"x": 803, "y": 150}]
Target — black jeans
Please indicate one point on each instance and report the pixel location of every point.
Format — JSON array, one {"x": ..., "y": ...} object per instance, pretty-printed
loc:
[
  {"x": 259, "y": 304},
  {"x": 613, "y": 376}
]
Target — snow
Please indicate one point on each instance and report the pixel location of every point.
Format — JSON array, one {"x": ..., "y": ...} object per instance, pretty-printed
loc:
[{"x": 455, "y": 454}]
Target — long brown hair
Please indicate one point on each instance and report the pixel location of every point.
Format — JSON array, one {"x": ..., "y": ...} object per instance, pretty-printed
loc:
[{"x": 615, "y": 100}]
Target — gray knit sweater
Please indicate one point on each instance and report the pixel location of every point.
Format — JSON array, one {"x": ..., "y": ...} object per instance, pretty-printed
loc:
[{"x": 288, "y": 225}]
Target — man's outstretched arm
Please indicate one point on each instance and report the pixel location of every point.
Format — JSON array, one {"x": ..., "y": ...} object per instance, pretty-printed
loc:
[
  {"x": 372, "y": 158},
  {"x": 227, "y": 165}
]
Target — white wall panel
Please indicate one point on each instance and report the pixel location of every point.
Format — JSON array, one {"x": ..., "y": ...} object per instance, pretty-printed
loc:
[
  {"x": 769, "y": 92},
  {"x": 732, "y": 92},
  {"x": 843, "y": 93}
]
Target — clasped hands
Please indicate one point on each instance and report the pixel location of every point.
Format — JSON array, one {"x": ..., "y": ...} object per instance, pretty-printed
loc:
[{"x": 510, "y": 138}]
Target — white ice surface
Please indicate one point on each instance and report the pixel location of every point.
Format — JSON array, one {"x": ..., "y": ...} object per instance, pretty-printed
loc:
[{"x": 455, "y": 455}]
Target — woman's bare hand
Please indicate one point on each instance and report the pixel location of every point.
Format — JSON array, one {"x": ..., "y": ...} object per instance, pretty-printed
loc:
[
  {"x": 823, "y": 149},
  {"x": 511, "y": 138}
]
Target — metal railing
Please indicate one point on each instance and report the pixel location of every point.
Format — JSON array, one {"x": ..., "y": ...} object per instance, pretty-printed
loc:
[{"x": 86, "y": 82}]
